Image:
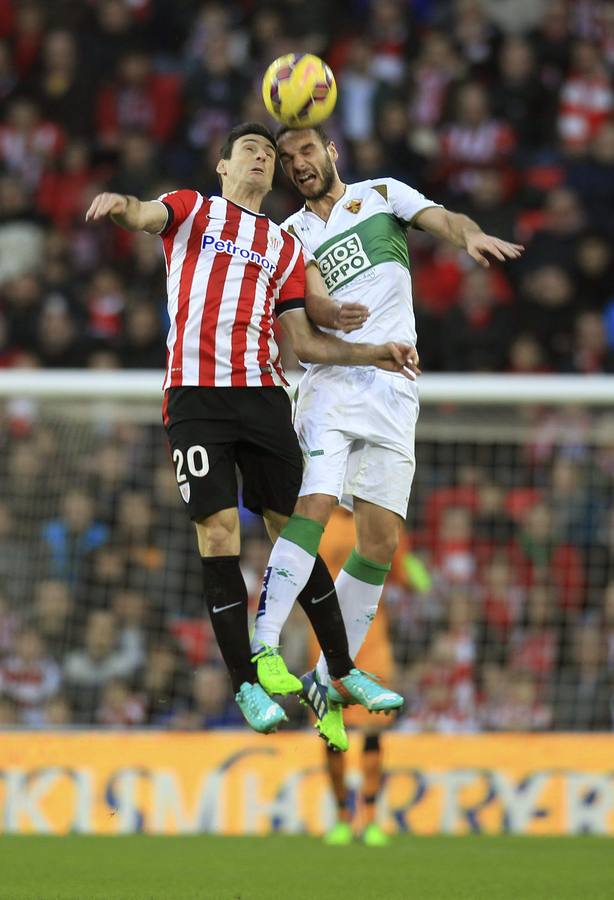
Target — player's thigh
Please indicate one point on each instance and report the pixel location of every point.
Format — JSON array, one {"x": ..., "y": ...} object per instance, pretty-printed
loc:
[
  {"x": 205, "y": 470},
  {"x": 325, "y": 451},
  {"x": 268, "y": 454},
  {"x": 382, "y": 476}
]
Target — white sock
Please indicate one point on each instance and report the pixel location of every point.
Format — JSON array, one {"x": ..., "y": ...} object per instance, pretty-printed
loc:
[
  {"x": 287, "y": 574},
  {"x": 358, "y": 601}
]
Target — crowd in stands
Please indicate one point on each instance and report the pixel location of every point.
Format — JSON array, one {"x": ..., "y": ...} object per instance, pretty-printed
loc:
[{"x": 503, "y": 608}]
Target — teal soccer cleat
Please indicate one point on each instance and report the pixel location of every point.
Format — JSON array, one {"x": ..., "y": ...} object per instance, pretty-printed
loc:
[
  {"x": 261, "y": 713},
  {"x": 357, "y": 687}
]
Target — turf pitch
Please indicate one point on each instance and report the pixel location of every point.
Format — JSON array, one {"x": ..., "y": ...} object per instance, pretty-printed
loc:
[{"x": 301, "y": 868}]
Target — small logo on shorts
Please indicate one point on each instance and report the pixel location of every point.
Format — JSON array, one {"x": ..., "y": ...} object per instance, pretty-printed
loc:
[
  {"x": 315, "y": 453},
  {"x": 185, "y": 491}
]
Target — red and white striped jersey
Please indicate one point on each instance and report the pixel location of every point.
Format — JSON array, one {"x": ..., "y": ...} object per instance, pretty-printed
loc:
[{"x": 229, "y": 272}]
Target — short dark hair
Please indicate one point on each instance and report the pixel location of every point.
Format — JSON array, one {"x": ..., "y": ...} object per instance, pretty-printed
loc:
[
  {"x": 319, "y": 130},
  {"x": 240, "y": 131}
]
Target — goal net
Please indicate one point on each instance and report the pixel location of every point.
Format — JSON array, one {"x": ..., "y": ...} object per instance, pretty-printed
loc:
[{"x": 500, "y": 604}]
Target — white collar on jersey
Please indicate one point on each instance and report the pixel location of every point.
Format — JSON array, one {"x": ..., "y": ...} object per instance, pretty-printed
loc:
[{"x": 238, "y": 205}]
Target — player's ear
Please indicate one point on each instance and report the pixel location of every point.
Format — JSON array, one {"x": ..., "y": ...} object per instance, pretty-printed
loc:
[
  {"x": 222, "y": 167},
  {"x": 332, "y": 151}
]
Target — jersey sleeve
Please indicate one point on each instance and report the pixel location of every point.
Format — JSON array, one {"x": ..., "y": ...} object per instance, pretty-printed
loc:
[
  {"x": 292, "y": 291},
  {"x": 406, "y": 202},
  {"x": 179, "y": 205}
]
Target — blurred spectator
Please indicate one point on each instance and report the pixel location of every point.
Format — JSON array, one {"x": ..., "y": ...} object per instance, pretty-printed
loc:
[
  {"x": 357, "y": 91},
  {"x": 546, "y": 311},
  {"x": 582, "y": 692},
  {"x": 520, "y": 708},
  {"x": 519, "y": 96},
  {"x": 9, "y": 623},
  {"x": 63, "y": 187},
  {"x": 9, "y": 714},
  {"x": 591, "y": 176},
  {"x": 477, "y": 332},
  {"x": 594, "y": 274},
  {"x": 436, "y": 68},
  {"x": 473, "y": 140},
  {"x": 27, "y": 141},
  {"x": 212, "y": 704},
  {"x": 540, "y": 557},
  {"x": 165, "y": 682},
  {"x": 56, "y": 713},
  {"x": 21, "y": 234},
  {"x": 63, "y": 88},
  {"x": 502, "y": 605},
  {"x": 590, "y": 353},
  {"x": 137, "y": 170},
  {"x": 88, "y": 670},
  {"x": 143, "y": 345},
  {"x": 586, "y": 98},
  {"x": 534, "y": 646},
  {"x": 73, "y": 535},
  {"x": 119, "y": 707},
  {"x": 53, "y": 616},
  {"x": 138, "y": 98},
  {"x": 526, "y": 356},
  {"x": 8, "y": 76},
  {"x": 213, "y": 93},
  {"x": 28, "y": 676}
]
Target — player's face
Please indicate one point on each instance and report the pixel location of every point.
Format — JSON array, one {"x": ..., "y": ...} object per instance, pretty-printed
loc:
[
  {"x": 251, "y": 164},
  {"x": 309, "y": 165}
]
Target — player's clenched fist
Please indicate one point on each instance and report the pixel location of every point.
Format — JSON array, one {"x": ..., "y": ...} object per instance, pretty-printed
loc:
[{"x": 105, "y": 205}]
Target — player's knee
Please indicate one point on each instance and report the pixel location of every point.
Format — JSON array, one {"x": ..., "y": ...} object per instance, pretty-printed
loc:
[
  {"x": 318, "y": 507},
  {"x": 379, "y": 547}
]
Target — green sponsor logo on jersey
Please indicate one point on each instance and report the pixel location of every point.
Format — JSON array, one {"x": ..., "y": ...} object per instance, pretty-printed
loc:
[
  {"x": 377, "y": 239},
  {"x": 342, "y": 261}
]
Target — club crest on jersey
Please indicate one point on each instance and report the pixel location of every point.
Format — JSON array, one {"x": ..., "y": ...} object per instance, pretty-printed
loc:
[
  {"x": 232, "y": 249},
  {"x": 353, "y": 206}
]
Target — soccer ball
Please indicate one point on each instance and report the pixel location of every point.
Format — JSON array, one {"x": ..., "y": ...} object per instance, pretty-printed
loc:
[{"x": 299, "y": 90}]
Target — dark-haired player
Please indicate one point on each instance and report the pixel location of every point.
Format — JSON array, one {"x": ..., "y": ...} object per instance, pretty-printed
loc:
[{"x": 230, "y": 271}]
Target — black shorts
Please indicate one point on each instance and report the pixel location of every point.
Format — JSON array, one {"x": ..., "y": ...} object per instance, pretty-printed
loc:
[{"x": 213, "y": 430}]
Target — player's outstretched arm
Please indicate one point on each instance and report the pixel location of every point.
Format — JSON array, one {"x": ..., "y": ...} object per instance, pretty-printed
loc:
[
  {"x": 129, "y": 212},
  {"x": 329, "y": 313},
  {"x": 463, "y": 232},
  {"x": 313, "y": 346}
]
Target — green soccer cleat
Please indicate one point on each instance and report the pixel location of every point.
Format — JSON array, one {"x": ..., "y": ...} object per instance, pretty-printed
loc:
[
  {"x": 340, "y": 835},
  {"x": 373, "y": 836},
  {"x": 261, "y": 713},
  {"x": 273, "y": 673},
  {"x": 332, "y": 728},
  {"x": 329, "y": 716},
  {"x": 357, "y": 687}
]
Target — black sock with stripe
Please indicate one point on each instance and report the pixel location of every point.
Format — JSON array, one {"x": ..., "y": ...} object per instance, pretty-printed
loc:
[{"x": 320, "y": 602}]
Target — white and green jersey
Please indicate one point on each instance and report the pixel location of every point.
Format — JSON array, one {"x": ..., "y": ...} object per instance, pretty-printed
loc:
[{"x": 362, "y": 254}]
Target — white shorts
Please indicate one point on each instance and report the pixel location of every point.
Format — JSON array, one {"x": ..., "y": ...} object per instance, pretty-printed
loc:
[{"x": 356, "y": 427}]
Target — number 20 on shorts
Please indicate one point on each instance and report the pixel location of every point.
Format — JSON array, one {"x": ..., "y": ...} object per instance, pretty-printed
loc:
[{"x": 196, "y": 459}]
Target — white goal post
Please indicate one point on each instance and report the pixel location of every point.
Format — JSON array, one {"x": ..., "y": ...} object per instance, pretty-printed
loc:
[{"x": 486, "y": 389}]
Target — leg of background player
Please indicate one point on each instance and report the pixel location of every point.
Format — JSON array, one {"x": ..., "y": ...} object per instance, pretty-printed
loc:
[
  {"x": 341, "y": 832},
  {"x": 373, "y": 836},
  {"x": 361, "y": 581}
]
